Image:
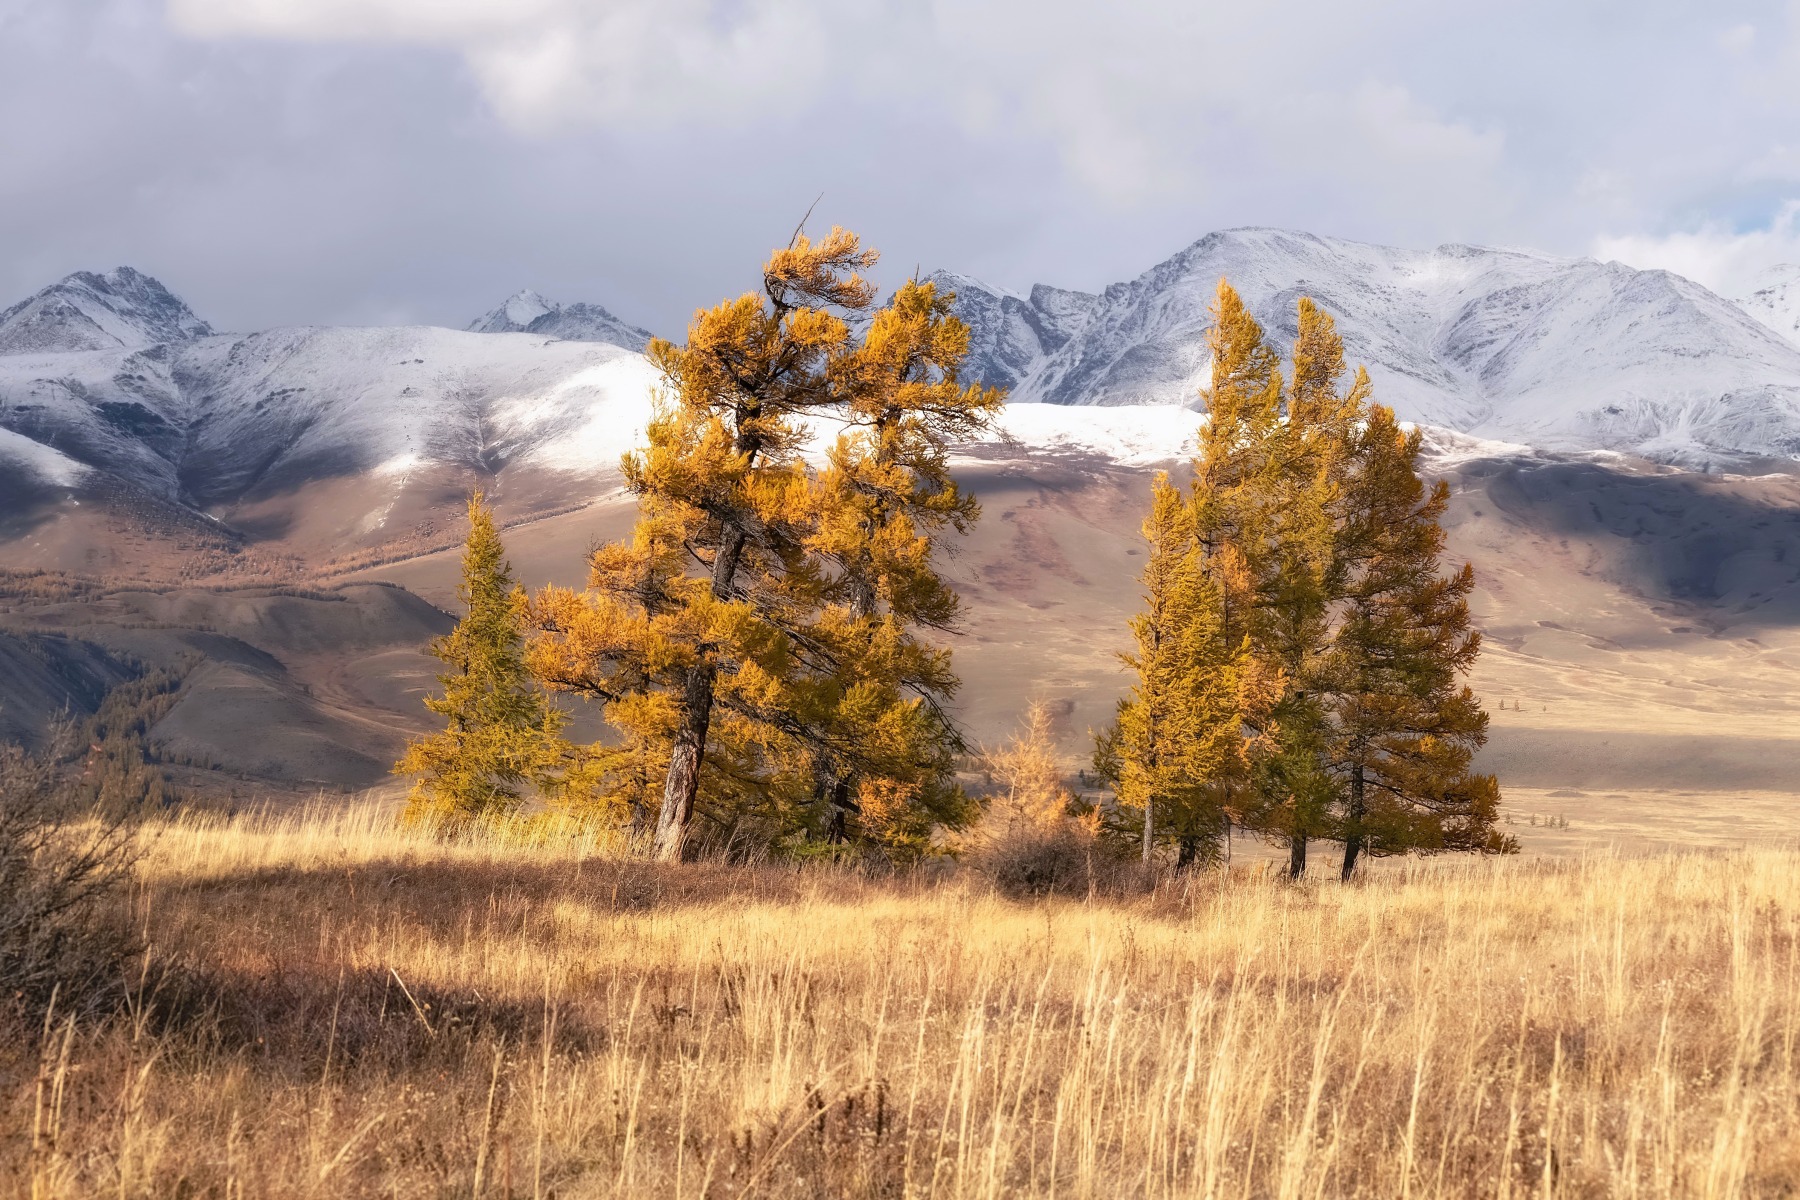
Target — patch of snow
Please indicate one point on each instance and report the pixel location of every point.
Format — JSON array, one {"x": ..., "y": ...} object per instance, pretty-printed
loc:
[
  {"x": 586, "y": 421},
  {"x": 1775, "y": 300},
  {"x": 1141, "y": 435},
  {"x": 1446, "y": 448},
  {"x": 46, "y": 463},
  {"x": 520, "y": 310}
]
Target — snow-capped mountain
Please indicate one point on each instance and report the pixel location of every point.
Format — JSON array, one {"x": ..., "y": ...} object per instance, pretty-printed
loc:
[
  {"x": 1775, "y": 300},
  {"x": 169, "y": 408},
  {"x": 122, "y": 309},
  {"x": 528, "y": 312},
  {"x": 112, "y": 378},
  {"x": 1010, "y": 336},
  {"x": 217, "y": 419},
  {"x": 1566, "y": 354}
]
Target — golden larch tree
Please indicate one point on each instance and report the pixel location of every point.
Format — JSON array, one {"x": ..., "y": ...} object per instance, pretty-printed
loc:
[
  {"x": 1260, "y": 496},
  {"x": 875, "y": 715},
  {"x": 1176, "y": 748},
  {"x": 769, "y": 608},
  {"x": 1321, "y": 548}
]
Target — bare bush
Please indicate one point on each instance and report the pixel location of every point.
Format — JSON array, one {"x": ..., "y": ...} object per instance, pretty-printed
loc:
[{"x": 63, "y": 873}]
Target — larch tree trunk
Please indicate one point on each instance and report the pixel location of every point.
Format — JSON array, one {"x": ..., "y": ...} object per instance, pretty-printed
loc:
[
  {"x": 683, "y": 783},
  {"x": 682, "y": 786},
  {"x": 1149, "y": 828},
  {"x": 1353, "y": 839},
  {"x": 1297, "y": 857}
]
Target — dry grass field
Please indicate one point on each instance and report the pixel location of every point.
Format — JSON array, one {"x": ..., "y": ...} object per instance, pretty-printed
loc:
[{"x": 336, "y": 1008}]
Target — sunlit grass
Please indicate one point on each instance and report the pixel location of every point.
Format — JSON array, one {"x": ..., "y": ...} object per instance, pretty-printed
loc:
[
  {"x": 331, "y": 833},
  {"x": 351, "y": 1009}
]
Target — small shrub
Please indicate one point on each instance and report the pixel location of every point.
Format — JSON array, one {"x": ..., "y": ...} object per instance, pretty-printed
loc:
[
  {"x": 1038, "y": 862},
  {"x": 63, "y": 874},
  {"x": 1027, "y": 840}
]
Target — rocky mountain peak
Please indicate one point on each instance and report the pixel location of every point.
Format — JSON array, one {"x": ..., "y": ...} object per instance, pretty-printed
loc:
[
  {"x": 525, "y": 311},
  {"x": 124, "y": 309},
  {"x": 1518, "y": 346}
]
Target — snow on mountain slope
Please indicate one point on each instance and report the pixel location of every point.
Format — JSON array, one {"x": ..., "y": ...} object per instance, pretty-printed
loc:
[
  {"x": 1010, "y": 335},
  {"x": 289, "y": 405},
  {"x": 118, "y": 411},
  {"x": 1775, "y": 300},
  {"x": 1561, "y": 353},
  {"x": 528, "y": 312},
  {"x": 221, "y": 418},
  {"x": 43, "y": 463},
  {"x": 1133, "y": 436},
  {"x": 1511, "y": 347},
  {"x": 123, "y": 309},
  {"x": 519, "y": 311}
]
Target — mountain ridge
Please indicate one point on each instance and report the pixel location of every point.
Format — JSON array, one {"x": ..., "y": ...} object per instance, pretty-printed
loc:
[
  {"x": 1568, "y": 354},
  {"x": 121, "y": 309},
  {"x": 1498, "y": 347},
  {"x": 525, "y": 311}
]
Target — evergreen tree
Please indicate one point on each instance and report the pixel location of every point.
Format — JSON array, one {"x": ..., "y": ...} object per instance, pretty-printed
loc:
[
  {"x": 771, "y": 608},
  {"x": 1404, "y": 728},
  {"x": 1333, "y": 632},
  {"x": 1176, "y": 747},
  {"x": 503, "y": 733}
]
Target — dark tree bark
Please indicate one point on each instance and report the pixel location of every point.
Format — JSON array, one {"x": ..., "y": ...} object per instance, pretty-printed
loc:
[
  {"x": 683, "y": 783},
  {"x": 682, "y": 786},
  {"x": 841, "y": 808},
  {"x": 1149, "y": 829},
  {"x": 1353, "y": 837},
  {"x": 1297, "y": 857}
]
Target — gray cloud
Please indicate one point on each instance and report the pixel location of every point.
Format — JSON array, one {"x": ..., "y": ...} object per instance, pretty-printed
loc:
[{"x": 283, "y": 161}]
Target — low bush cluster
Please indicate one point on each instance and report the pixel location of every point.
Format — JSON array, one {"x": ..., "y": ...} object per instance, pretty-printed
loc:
[{"x": 65, "y": 940}]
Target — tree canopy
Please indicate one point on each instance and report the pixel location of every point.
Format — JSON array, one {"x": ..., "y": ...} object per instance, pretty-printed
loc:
[{"x": 1299, "y": 657}]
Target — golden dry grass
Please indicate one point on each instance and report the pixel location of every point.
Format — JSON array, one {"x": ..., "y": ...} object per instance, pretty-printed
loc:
[{"x": 347, "y": 1010}]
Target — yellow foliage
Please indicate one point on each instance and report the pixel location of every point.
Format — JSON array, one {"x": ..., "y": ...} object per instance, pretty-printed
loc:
[
  {"x": 1029, "y": 795},
  {"x": 1297, "y": 661},
  {"x": 772, "y": 607}
]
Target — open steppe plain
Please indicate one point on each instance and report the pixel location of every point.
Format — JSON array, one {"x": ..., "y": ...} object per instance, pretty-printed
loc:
[
  {"x": 333, "y": 1007},
  {"x": 1641, "y": 628}
]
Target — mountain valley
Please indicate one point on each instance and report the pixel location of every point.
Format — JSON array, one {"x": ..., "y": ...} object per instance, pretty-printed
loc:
[{"x": 279, "y": 510}]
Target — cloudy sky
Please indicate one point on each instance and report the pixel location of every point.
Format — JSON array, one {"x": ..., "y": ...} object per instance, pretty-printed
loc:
[{"x": 285, "y": 161}]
